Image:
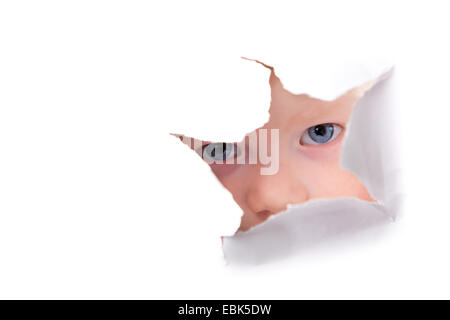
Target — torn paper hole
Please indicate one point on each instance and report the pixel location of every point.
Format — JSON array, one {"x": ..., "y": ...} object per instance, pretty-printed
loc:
[{"x": 315, "y": 170}]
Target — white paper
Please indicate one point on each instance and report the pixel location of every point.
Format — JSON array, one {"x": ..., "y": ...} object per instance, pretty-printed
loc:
[{"x": 369, "y": 152}]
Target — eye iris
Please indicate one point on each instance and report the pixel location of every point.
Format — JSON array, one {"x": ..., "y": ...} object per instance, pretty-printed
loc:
[
  {"x": 321, "y": 133},
  {"x": 219, "y": 151}
]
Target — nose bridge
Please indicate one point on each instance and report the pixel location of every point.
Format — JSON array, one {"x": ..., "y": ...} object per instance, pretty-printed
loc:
[{"x": 274, "y": 192}]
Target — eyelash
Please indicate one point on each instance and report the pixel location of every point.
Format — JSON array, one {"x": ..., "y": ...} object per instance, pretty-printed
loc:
[{"x": 320, "y": 134}]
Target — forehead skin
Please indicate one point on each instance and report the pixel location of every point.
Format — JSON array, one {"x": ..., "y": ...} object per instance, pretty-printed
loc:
[{"x": 287, "y": 110}]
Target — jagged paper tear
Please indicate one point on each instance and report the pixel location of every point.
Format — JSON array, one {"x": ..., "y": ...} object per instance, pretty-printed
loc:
[
  {"x": 301, "y": 227},
  {"x": 369, "y": 147},
  {"x": 368, "y": 152}
]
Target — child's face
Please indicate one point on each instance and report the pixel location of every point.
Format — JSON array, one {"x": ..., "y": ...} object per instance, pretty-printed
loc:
[{"x": 310, "y": 139}]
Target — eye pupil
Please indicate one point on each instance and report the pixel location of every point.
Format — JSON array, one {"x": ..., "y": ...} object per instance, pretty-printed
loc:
[
  {"x": 222, "y": 149},
  {"x": 320, "y": 130}
]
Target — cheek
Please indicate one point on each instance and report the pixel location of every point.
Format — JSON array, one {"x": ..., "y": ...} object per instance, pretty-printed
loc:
[
  {"x": 328, "y": 154},
  {"x": 320, "y": 171},
  {"x": 349, "y": 186},
  {"x": 233, "y": 177},
  {"x": 329, "y": 180},
  {"x": 223, "y": 170}
]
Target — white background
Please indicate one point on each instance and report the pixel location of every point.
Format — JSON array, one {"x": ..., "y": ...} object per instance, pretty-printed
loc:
[{"x": 95, "y": 201}]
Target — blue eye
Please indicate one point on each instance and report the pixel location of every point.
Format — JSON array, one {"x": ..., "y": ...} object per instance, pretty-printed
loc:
[
  {"x": 219, "y": 151},
  {"x": 320, "y": 134}
]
